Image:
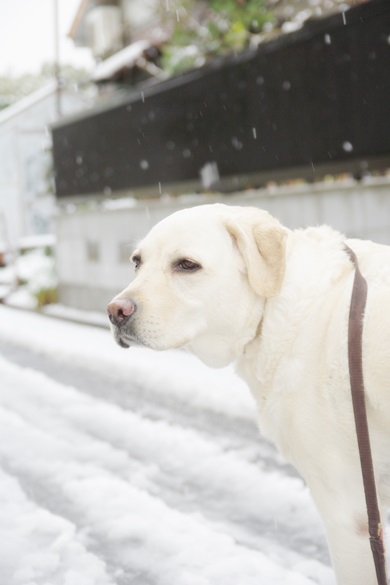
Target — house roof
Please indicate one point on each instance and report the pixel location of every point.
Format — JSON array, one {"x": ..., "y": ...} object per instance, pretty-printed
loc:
[
  {"x": 290, "y": 14},
  {"x": 124, "y": 59},
  {"x": 27, "y": 102}
]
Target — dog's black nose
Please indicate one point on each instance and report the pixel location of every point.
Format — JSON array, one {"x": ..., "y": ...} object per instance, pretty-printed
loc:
[{"x": 120, "y": 310}]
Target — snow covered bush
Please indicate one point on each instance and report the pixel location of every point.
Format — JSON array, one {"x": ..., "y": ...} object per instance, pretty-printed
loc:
[{"x": 36, "y": 270}]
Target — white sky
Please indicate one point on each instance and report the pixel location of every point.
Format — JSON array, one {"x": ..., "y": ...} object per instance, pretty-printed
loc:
[{"x": 27, "y": 35}]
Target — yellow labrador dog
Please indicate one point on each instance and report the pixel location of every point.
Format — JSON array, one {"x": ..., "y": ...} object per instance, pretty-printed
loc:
[{"x": 232, "y": 284}]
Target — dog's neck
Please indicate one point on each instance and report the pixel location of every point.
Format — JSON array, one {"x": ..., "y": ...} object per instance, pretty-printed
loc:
[{"x": 312, "y": 274}]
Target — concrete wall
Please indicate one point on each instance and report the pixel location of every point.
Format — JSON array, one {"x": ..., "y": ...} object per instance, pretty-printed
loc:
[{"x": 94, "y": 245}]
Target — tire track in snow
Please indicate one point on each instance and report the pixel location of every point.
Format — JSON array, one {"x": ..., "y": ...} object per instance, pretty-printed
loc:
[
  {"x": 121, "y": 515},
  {"x": 231, "y": 433},
  {"x": 26, "y": 526}
]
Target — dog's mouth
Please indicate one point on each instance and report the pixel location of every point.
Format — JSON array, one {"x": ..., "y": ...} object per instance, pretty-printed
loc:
[
  {"x": 123, "y": 344},
  {"x": 124, "y": 339}
]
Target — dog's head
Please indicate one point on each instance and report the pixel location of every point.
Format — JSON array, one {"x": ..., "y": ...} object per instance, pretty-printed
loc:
[{"x": 203, "y": 276}]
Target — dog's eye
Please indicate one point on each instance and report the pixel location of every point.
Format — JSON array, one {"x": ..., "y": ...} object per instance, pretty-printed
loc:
[
  {"x": 187, "y": 265},
  {"x": 137, "y": 261}
]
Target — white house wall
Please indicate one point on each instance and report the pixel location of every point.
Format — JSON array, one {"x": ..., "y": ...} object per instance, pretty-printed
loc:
[
  {"x": 140, "y": 14},
  {"x": 26, "y": 204},
  {"x": 10, "y": 205},
  {"x": 356, "y": 209}
]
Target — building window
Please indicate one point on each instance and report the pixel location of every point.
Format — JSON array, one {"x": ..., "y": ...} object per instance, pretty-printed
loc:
[{"x": 93, "y": 251}]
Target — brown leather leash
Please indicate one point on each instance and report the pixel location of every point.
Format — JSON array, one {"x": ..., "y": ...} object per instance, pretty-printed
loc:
[{"x": 355, "y": 335}]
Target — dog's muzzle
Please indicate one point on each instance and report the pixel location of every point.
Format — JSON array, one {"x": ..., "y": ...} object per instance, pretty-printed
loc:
[{"x": 120, "y": 312}]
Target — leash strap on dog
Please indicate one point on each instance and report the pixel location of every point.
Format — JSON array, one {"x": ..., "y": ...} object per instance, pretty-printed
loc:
[{"x": 355, "y": 335}]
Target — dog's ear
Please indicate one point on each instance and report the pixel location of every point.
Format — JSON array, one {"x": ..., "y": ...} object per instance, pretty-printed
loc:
[{"x": 262, "y": 247}]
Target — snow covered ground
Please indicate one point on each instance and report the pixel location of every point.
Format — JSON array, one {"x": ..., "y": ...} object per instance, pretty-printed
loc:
[{"x": 133, "y": 467}]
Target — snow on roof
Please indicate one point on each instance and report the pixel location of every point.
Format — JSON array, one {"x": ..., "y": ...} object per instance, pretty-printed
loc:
[
  {"x": 126, "y": 58},
  {"x": 27, "y": 102},
  {"x": 294, "y": 14}
]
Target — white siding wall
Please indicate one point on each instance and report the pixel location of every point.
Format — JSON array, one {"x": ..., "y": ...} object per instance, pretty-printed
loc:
[
  {"x": 358, "y": 210},
  {"x": 26, "y": 206}
]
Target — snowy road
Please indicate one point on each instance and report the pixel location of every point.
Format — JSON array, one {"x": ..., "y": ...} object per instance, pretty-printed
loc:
[{"x": 133, "y": 467}]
